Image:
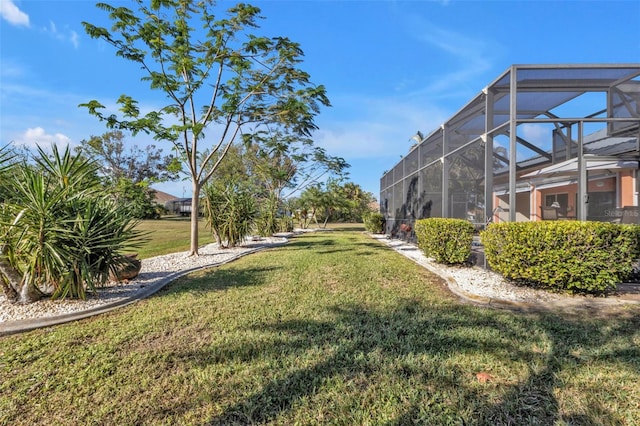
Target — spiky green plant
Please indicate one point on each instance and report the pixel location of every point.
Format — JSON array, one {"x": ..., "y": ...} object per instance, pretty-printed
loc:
[
  {"x": 61, "y": 233},
  {"x": 268, "y": 222},
  {"x": 231, "y": 212}
]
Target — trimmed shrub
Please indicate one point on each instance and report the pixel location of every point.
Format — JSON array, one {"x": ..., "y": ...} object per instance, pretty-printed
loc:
[
  {"x": 573, "y": 256},
  {"x": 447, "y": 241},
  {"x": 374, "y": 222}
]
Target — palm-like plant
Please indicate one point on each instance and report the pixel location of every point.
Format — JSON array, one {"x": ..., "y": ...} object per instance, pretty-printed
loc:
[
  {"x": 7, "y": 163},
  {"x": 231, "y": 212},
  {"x": 61, "y": 233}
]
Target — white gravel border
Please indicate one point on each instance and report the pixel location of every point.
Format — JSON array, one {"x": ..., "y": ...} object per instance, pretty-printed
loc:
[{"x": 471, "y": 280}]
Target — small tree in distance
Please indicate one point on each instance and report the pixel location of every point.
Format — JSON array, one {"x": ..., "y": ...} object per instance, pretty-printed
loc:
[
  {"x": 134, "y": 164},
  {"x": 218, "y": 84},
  {"x": 130, "y": 172}
]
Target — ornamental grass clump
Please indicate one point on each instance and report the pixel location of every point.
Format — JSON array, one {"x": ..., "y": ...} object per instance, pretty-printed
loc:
[
  {"x": 590, "y": 257},
  {"x": 447, "y": 241}
]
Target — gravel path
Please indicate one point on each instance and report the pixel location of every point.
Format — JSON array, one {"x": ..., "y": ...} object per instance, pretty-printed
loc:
[{"x": 473, "y": 280}]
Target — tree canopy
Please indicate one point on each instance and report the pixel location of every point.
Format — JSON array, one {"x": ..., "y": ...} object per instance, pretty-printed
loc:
[
  {"x": 346, "y": 202},
  {"x": 219, "y": 80},
  {"x": 129, "y": 172},
  {"x": 137, "y": 165}
]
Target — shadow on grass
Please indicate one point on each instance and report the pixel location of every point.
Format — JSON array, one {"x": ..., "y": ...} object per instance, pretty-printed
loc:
[
  {"x": 317, "y": 242},
  {"x": 310, "y": 242},
  {"x": 421, "y": 346},
  {"x": 350, "y": 227},
  {"x": 216, "y": 279},
  {"x": 367, "y": 347}
]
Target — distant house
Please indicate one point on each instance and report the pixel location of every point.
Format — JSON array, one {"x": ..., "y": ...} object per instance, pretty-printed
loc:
[
  {"x": 162, "y": 198},
  {"x": 173, "y": 204},
  {"x": 179, "y": 206}
]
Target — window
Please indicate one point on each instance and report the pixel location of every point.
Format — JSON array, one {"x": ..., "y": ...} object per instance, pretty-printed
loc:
[{"x": 561, "y": 200}]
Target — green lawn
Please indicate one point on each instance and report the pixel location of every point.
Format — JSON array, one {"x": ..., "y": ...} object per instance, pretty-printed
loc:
[
  {"x": 332, "y": 328},
  {"x": 170, "y": 235}
]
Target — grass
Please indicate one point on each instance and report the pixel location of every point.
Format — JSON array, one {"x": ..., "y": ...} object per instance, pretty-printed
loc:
[
  {"x": 170, "y": 235},
  {"x": 332, "y": 328}
]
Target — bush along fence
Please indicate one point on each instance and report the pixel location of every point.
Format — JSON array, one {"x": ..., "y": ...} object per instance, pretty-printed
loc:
[
  {"x": 586, "y": 257},
  {"x": 374, "y": 222},
  {"x": 447, "y": 241}
]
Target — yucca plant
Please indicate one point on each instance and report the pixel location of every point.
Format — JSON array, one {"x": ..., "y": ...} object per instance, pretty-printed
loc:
[
  {"x": 7, "y": 167},
  {"x": 230, "y": 211},
  {"x": 267, "y": 222},
  {"x": 61, "y": 233}
]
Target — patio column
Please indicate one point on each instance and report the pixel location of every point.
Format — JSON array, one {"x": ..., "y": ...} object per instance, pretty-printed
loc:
[
  {"x": 513, "y": 92},
  {"x": 445, "y": 174},
  {"x": 581, "y": 213},
  {"x": 487, "y": 138}
]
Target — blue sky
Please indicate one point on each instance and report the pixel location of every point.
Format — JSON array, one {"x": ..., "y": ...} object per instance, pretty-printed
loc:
[{"x": 390, "y": 67}]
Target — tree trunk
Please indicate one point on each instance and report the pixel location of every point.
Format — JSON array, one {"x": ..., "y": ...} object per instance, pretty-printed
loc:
[
  {"x": 326, "y": 219},
  {"x": 195, "y": 208},
  {"x": 14, "y": 285},
  {"x": 8, "y": 291}
]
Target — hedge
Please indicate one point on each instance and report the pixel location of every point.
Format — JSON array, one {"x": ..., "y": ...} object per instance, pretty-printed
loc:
[
  {"x": 574, "y": 256},
  {"x": 447, "y": 241},
  {"x": 374, "y": 222}
]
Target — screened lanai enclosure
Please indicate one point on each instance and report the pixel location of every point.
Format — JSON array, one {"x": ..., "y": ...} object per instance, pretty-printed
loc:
[{"x": 541, "y": 142}]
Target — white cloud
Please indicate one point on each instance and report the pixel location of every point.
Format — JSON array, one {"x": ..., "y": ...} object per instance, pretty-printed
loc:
[
  {"x": 470, "y": 55},
  {"x": 38, "y": 137},
  {"x": 12, "y": 14},
  {"x": 383, "y": 129},
  {"x": 11, "y": 69},
  {"x": 75, "y": 39},
  {"x": 66, "y": 35}
]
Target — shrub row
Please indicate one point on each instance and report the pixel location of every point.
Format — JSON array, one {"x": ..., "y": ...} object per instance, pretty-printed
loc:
[
  {"x": 563, "y": 255},
  {"x": 447, "y": 241}
]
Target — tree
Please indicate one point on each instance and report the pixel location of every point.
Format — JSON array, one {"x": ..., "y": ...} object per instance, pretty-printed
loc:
[
  {"x": 130, "y": 172},
  {"x": 334, "y": 200},
  {"x": 219, "y": 83},
  {"x": 284, "y": 165},
  {"x": 230, "y": 209},
  {"x": 319, "y": 199},
  {"x": 137, "y": 198},
  {"x": 136, "y": 165},
  {"x": 357, "y": 202},
  {"x": 288, "y": 164},
  {"x": 231, "y": 198}
]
